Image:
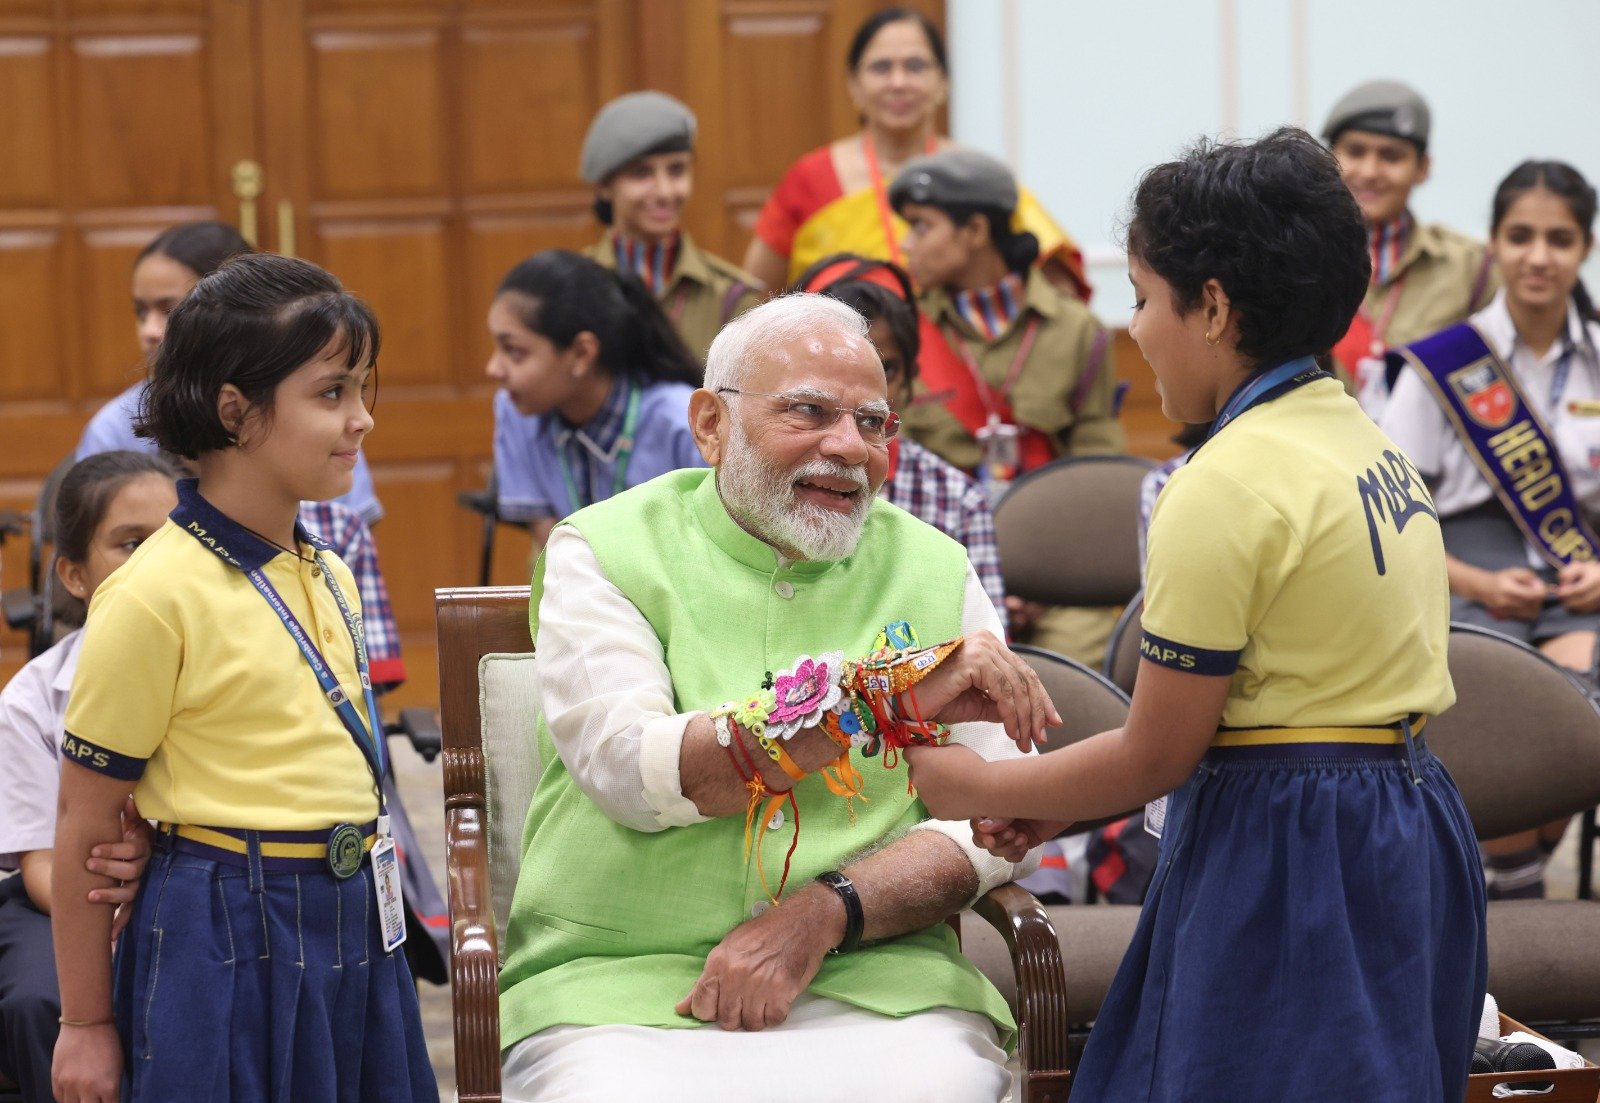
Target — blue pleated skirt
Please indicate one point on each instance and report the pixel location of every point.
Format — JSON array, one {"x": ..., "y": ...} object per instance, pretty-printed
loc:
[
  {"x": 242, "y": 984},
  {"x": 1315, "y": 931}
]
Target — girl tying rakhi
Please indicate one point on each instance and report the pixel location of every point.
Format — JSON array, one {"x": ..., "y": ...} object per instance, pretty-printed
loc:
[{"x": 1315, "y": 928}]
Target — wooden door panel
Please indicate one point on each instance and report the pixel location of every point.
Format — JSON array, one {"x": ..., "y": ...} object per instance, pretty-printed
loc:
[
  {"x": 398, "y": 266},
  {"x": 527, "y": 95},
  {"x": 377, "y": 115},
  {"x": 140, "y": 124},
  {"x": 782, "y": 66},
  {"x": 424, "y": 495},
  {"x": 111, "y": 359},
  {"x": 32, "y": 283},
  {"x": 28, "y": 137}
]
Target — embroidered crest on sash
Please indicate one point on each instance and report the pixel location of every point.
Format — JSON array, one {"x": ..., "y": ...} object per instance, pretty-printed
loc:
[{"x": 1486, "y": 396}]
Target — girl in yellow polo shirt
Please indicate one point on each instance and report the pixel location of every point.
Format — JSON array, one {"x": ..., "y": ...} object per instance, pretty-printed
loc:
[
  {"x": 1315, "y": 927},
  {"x": 224, "y": 681}
]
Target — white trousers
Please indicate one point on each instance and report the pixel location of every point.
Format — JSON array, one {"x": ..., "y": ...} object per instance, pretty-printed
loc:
[{"x": 824, "y": 1051}]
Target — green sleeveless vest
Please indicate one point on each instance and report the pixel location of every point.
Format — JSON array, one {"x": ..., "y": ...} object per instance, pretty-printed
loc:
[{"x": 611, "y": 925}]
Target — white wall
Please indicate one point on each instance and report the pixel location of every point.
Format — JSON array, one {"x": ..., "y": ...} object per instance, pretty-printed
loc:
[{"x": 1080, "y": 96}]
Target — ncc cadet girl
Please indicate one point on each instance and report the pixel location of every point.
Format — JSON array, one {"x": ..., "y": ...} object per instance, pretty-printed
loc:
[
  {"x": 1315, "y": 928},
  {"x": 1502, "y": 416},
  {"x": 223, "y": 679},
  {"x": 1032, "y": 378},
  {"x": 1424, "y": 277},
  {"x": 639, "y": 155},
  {"x": 595, "y": 388}
]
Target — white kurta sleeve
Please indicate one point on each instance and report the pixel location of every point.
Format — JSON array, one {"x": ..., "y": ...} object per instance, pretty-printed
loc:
[
  {"x": 607, "y": 694},
  {"x": 990, "y": 742}
]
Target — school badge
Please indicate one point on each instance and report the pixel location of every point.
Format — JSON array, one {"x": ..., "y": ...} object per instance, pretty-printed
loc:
[{"x": 1486, "y": 396}]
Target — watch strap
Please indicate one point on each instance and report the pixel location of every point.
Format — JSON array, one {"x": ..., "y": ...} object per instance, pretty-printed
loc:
[{"x": 855, "y": 921}]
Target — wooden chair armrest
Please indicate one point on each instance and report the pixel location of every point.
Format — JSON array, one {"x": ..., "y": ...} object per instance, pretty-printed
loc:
[
  {"x": 474, "y": 949},
  {"x": 1041, "y": 990}
]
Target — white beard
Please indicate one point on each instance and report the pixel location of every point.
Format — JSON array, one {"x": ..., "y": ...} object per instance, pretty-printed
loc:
[{"x": 764, "y": 499}]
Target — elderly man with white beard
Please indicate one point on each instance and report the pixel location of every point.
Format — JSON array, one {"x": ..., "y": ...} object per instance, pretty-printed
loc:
[{"x": 691, "y": 635}]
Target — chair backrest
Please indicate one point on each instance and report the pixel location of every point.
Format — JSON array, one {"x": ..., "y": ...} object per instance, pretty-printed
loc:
[
  {"x": 1068, "y": 532},
  {"x": 1088, "y": 703},
  {"x": 1523, "y": 738},
  {"x": 489, "y": 710},
  {"x": 1122, "y": 651}
]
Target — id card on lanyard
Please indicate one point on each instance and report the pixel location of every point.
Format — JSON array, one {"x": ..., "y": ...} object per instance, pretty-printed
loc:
[{"x": 999, "y": 440}]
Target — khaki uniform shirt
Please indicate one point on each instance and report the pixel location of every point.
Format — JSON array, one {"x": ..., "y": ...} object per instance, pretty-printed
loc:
[
  {"x": 1066, "y": 389},
  {"x": 1443, "y": 277},
  {"x": 703, "y": 294}
]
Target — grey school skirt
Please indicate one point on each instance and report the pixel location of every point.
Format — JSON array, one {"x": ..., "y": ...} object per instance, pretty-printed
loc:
[{"x": 1486, "y": 536}]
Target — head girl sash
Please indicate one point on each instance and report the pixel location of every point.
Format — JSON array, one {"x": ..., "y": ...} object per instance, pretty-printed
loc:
[{"x": 1506, "y": 438}]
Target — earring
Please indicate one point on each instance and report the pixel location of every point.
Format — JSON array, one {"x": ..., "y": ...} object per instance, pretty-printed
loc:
[{"x": 1210, "y": 340}]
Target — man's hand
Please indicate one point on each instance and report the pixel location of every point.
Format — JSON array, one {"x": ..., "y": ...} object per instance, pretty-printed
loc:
[
  {"x": 984, "y": 680},
  {"x": 949, "y": 780},
  {"x": 124, "y": 861},
  {"x": 1578, "y": 587},
  {"x": 87, "y": 1067},
  {"x": 1514, "y": 594},
  {"x": 1012, "y": 839},
  {"x": 753, "y": 975}
]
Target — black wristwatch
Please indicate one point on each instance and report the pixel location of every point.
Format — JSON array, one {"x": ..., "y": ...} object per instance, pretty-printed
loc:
[{"x": 854, "y": 920}]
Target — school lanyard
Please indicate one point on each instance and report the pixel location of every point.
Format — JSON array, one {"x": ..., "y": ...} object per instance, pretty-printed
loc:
[
  {"x": 619, "y": 477},
  {"x": 1558, "y": 380},
  {"x": 1264, "y": 387},
  {"x": 371, "y": 747},
  {"x": 994, "y": 402}
]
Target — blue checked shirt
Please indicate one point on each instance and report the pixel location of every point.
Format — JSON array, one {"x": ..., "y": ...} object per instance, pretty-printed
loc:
[
  {"x": 344, "y": 529},
  {"x": 528, "y": 450},
  {"x": 934, "y": 491}
]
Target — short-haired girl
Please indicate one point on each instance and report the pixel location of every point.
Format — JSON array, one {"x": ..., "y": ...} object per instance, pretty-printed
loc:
[
  {"x": 1315, "y": 927},
  {"x": 594, "y": 388},
  {"x": 223, "y": 679},
  {"x": 105, "y": 507}
]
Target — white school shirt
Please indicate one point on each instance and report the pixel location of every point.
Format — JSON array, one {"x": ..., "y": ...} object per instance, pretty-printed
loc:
[
  {"x": 1415, "y": 421},
  {"x": 33, "y": 707},
  {"x": 622, "y": 746}
]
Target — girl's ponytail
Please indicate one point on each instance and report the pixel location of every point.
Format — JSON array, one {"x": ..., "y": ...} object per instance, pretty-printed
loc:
[{"x": 652, "y": 350}]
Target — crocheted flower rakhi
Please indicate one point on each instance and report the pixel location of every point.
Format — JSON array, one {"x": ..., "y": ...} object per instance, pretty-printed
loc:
[{"x": 804, "y": 694}]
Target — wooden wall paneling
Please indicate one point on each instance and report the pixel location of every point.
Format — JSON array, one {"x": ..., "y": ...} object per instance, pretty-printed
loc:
[
  {"x": 528, "y": 93},
  {"x": 399, "y": 266},
  {"x": 496, "y": 241},
  {"x": 141, "y": 130},
  {"x": 29, "y": 137},
  {"x": 33, "y": 287}
]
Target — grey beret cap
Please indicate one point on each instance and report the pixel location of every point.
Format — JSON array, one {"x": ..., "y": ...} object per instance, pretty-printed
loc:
[
  {"x": 631, "y": 126},
  {"x": 955, "y": 177},
  {"x": 1381, "y": 107}
]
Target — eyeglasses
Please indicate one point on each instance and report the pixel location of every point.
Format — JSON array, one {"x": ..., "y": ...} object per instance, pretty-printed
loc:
[{"x": 876, "y": 424}]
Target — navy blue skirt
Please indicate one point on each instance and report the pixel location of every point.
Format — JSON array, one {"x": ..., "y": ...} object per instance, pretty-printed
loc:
[
  {"x": 1315, "y": 931},
  {"x": 246, "y": 985}
]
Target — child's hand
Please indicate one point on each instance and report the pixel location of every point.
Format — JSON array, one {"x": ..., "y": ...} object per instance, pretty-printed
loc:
[
  {"x": 88, "y": 1064},
  {"x": 125, "y": 862},
  {"x": 949, "y": 780},
  {"x": 1012, "y": 839},
  {"x": 985, "y": 680}
]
